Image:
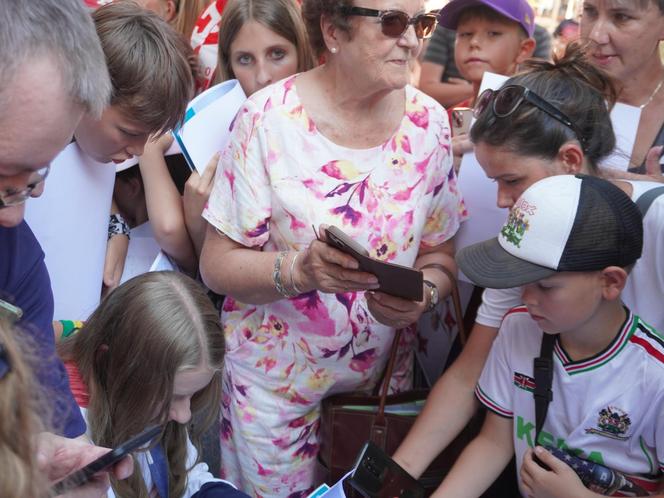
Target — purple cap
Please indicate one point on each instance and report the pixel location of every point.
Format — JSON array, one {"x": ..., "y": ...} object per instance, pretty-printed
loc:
[{"x": 515, "y": 10}]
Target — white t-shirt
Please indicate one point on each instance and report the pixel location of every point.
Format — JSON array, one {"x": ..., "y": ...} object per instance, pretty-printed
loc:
[
  {"x": 644, "y": 289},
  {"x": 608, "y": 408}
]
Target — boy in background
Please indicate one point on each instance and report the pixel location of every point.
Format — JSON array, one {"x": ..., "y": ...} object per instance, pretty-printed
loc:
[
  {"x": 491, "y": 35},
  {"x": 152, "y": 83},
  {"x": 570, "y": 241}
]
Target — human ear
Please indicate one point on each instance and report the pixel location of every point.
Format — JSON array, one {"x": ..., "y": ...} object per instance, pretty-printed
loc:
[
  {"x": 331, "y": 34},
  {"x": 526, "y": 49},
  {"x": 171, "y": 11},
  {"x": 613, "y": 282},
  {"x": 571, "y": 158}
]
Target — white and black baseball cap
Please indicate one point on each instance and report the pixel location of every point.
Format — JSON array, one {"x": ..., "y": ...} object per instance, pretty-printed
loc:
[{"x": 560, "y": 223}]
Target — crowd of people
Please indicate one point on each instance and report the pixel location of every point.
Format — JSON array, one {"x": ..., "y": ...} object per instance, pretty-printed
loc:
[{"x": 263, "y": 318}]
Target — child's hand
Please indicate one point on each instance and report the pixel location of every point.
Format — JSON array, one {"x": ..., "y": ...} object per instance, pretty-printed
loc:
[
  {"x": 460, "y": 145},
  {"x": 559, "y": 482},
  {"x": 159, "y": 145}
]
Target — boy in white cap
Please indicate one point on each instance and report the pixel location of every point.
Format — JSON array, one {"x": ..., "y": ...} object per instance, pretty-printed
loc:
[{"x": 570, "y": 241}]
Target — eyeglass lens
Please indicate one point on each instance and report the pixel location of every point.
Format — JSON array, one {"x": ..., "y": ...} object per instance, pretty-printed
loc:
[{"x": 395, "y": 24}]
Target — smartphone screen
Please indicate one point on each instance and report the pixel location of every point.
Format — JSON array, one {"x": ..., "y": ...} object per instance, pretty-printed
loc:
[{"x": 105, "y": 461}]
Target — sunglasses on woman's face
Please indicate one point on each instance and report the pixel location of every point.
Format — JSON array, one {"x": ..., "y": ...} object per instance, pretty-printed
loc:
[
  {"x": 394, "y": 23},
  {"x": 507, "y": 99}
]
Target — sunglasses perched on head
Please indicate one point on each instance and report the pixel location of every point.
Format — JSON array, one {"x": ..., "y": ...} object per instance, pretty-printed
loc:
[
  {"x": 507, "y": 99},
  {"x": 394, "y": 23}
]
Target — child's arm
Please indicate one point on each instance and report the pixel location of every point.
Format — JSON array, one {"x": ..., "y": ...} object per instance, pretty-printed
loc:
[
  {"x": 448, "y": 94},
  {"x": 164, "y": 205},
  {"x": 196, "y": 194},
  {"x": 116, "y": 255},
  {"x": 481, "y": 462}
]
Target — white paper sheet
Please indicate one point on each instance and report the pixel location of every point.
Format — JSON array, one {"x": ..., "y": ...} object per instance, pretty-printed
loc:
[
  {"x": 70, "y": 220},
  {"x": 337, "y": 491},
  {"x": 142, "y": 251},
  {"x": 206, "y": 128}
]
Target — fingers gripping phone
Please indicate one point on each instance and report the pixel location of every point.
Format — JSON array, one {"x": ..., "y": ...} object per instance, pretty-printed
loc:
[
  {"x": 107, "y": 460},
  {"x": 378, "y": 476}
]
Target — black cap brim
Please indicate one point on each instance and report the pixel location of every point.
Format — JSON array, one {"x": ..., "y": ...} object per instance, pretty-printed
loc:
[{"x": 489, "y": 265}]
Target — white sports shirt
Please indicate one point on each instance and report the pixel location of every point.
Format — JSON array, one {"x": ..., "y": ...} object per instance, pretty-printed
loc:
[{"x": 608, "y": 408}]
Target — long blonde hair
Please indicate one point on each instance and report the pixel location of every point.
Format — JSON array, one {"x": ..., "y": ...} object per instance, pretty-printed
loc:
[
  {"x": 281, "y": 16},
  {"x": 128, "y": 353},
  {"x": 19, "y": 419}
]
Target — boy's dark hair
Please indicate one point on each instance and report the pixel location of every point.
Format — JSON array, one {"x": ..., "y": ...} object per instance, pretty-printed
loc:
[
  {"x": 573, "y": 85},
  {"x": 486, "y": 13},
  {"x": 148, "y": 63}
]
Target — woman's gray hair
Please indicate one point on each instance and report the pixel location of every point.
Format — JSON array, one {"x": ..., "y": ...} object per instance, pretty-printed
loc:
[{"x": 61, "y": 30}]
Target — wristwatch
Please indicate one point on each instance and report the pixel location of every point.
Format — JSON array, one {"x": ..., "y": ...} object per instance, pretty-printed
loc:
[{"x": 433, "y": 295}]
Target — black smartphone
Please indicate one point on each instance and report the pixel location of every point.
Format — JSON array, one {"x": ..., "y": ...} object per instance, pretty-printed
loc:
[
  {"x": 105, "y": 461},
  {"x": 376, "y": 475}
]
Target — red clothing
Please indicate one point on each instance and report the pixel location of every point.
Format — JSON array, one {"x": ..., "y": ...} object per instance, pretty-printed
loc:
[{"x": 77, "y": 386}]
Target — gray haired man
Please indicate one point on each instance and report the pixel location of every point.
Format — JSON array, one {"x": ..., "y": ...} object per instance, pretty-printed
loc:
[{"x": 52, "y": 71}]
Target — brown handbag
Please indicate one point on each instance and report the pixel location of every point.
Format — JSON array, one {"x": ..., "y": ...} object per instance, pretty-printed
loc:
[{"x": 344, "y": 430}]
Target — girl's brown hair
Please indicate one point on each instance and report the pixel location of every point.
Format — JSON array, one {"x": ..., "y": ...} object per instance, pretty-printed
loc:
[
  {"x": 188, "y": 12},
  {"x": 580, "y": 90},
  {"x": 19, "y": 419},
  {"x": 281, "y": 16},
  {"x": 128, "y": 353}
]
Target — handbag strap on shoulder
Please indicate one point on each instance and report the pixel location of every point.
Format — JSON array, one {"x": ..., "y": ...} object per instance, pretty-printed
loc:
[{"x": 543, "y": 372}]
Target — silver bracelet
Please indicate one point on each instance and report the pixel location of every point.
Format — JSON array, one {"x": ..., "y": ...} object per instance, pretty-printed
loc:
[
  {"x": 292, "y": 280},
  {"x": 276, "y": 275}
]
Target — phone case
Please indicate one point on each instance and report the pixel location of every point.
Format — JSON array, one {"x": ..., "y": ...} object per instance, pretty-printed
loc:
[
  {"x": 376, "y": 475},
  {"x": 461, "y": 117},
  {"x": 396, "y": 280}
]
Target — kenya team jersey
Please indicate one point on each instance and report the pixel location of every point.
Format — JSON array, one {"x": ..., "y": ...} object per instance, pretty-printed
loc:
[{"x": 608, "y": 408}]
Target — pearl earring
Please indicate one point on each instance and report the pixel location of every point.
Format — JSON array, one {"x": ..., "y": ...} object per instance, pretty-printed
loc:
[{"x": 333, "y": 50}]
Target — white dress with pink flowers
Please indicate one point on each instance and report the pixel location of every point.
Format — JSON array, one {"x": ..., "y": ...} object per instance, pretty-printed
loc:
[{"x": 278, "y": 177}]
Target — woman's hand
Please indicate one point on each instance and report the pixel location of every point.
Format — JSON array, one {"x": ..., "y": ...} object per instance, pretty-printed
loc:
[
  {"x": 559, "y": 482},
  {"x": 394, "y": 311},
  {"x": 653, "y": 168},
  {"x": 329, "y": 270},
  {"x": 460, "y": 145}
]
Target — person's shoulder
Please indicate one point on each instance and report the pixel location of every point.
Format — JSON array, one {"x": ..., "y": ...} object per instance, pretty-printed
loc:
[{"x": 649, "y": 342}]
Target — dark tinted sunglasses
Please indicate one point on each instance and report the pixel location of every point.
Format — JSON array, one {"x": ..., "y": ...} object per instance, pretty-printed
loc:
[
  {"x": 394, "y": 23},
  {"x": 507, "y": 99}
]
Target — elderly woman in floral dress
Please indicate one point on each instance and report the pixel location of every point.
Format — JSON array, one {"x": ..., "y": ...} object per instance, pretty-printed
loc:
[{"x": 350, "y": 144}]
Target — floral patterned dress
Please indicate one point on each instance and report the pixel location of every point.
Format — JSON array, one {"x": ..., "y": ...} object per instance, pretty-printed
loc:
[{"x": 278, "y": 177}]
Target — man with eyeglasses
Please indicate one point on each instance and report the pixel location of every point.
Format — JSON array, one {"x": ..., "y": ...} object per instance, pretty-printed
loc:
[{"x": 52, "y": 71}]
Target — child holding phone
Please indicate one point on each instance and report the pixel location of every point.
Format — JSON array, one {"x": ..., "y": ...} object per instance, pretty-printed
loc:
[{"x": 151, "y": 354}]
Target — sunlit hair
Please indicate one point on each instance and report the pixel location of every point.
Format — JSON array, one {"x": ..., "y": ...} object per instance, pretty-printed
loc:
[
  {"x": 148, "y": 63},
  {"x": 60, "y": 31},
  {"x": 19, "y": 420},
  {"x": 283, "y": 17},
  {"x": 580, "y": 90},
  {"x": 188, "y": 12},
  {"x": 128, "y": 353}
]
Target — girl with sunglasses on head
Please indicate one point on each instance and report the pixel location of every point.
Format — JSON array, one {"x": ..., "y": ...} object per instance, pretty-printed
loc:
[
  {"x": 350, "y": 144},
  {"x": 151, "y": 355},
  {"x": 552, "y": 119}
]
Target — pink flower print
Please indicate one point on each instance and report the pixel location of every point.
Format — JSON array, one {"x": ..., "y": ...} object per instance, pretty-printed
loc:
[
  {"x": 341, "y": 170},
  {"x": 259, "y": 230},
  {"x": 361, "y": 362},
  {"x": 419, "y": 118},
  {"x": 404, "y": 195},
  {"x": 307, "y": 450},
  {"x": 288, "y": 85},
  {"x": 231, "y": 181},
  {"x": 262, "y": 471},
  {"x": 277, "y": 327},
  {"x": 225, "y": 429},
  {"x": 267, "y": 363},
  {"x": 405, "y": 144}
]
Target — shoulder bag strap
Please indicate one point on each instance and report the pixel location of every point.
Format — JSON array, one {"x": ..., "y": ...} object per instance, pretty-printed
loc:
[
  {"x": 646, "y": 199},
  {"x": 543, "y": 368}
]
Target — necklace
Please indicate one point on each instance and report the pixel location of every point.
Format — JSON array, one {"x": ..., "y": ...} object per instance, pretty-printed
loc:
[{"x": 652, "y": 95}]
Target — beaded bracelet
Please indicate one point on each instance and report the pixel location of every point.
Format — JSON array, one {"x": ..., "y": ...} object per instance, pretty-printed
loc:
[
  {"x": 276, "y": 275},
  {"x": 117, "y": 226}
]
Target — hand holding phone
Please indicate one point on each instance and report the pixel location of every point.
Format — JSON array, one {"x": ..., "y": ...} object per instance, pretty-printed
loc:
[
  {"x": 107, "y": 460},
  {"x": 376, "y": 475},
  {"x": 460, "y": 118}
]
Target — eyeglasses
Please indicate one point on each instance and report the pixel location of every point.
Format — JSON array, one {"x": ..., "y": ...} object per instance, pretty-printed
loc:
[
  {"x": 508, "y": 99},
  {"x": 394, "y": 23},
  {"x": 15, "y": 197}
]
